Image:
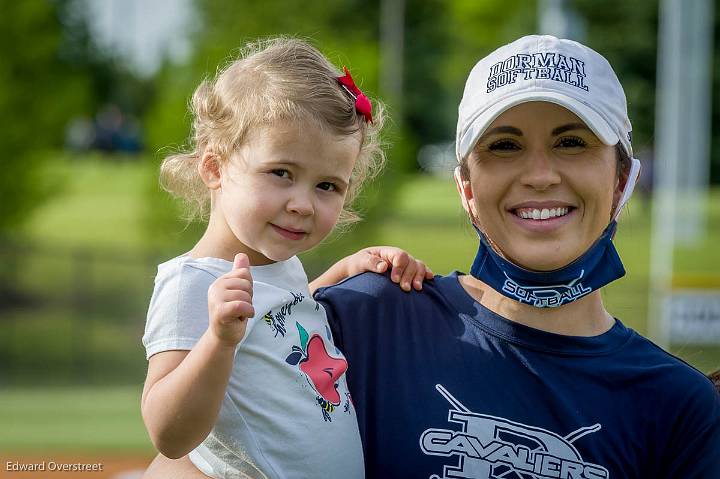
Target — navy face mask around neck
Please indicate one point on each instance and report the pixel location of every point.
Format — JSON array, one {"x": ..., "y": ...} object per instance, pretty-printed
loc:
[{"x": 597, "y": 267}]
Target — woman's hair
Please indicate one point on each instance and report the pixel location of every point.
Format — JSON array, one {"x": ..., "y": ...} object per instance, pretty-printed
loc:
[
  {"x": 624, "y": 161},
  {"x": 715, "y": 378},
  {"x": 281, "y": 79}
]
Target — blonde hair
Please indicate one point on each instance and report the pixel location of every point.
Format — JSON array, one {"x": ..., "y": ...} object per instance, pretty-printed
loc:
[{"x": 281, "y": 79}]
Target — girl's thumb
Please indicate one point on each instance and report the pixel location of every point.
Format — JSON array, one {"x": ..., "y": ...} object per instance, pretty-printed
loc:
[{"x": 241, "y": 261}]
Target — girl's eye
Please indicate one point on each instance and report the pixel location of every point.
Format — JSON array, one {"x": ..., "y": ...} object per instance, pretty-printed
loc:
[
  {"x": 281, "y": 173},
  {"x": 571, "y": 142},
  {"x": 327, "y": 186},
  {"x": 503, "y": 146}
]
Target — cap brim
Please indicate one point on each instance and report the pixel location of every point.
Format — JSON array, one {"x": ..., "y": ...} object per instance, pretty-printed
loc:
[{"x": 590, "y": 117}]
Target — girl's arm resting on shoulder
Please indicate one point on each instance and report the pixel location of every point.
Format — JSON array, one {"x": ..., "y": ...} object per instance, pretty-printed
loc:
[
  {"x": 406, "y": 270},
  {"x": 183, "y": 393}
]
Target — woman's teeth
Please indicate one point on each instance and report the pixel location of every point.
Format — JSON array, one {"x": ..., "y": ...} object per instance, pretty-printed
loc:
[{"x": 541, "y": 214}]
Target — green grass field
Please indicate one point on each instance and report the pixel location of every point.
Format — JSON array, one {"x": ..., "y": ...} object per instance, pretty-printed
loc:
[
  {"x": 100, "y": 206},
  {"x": 101, "y": 420},
  {"x": 100, "y": 211}
]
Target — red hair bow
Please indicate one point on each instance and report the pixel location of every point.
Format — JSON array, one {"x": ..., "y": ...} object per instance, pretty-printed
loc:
[{"x": 362, "y": 103}]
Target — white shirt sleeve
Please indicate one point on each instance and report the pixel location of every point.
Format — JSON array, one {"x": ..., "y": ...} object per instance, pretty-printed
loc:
[{"x": 178, "y": 312}]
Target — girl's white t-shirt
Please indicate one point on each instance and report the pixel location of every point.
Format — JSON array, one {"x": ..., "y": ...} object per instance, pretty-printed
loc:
[{"x": 287, "y": 411}]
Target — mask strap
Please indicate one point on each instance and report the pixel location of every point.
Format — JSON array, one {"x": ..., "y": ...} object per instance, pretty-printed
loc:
[{"x": 629, "y": 186}]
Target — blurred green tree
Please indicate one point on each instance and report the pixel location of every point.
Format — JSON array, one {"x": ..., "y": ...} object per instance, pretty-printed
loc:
[
  {"x": 626, "y": 34},
  {"x": 39, "y": 85},
  {"x": 51, "y": 72},
  {"x": 715, "y": 140},
  {"x": 444, "y": 41}
]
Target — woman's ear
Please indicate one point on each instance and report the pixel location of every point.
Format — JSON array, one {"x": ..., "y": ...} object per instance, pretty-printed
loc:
[
  {"x": 465, "y": 191},
  {"x": 620, "y": 185},
  {"x": 209, "y": 170},
  {"x": 624, "y": 186}
]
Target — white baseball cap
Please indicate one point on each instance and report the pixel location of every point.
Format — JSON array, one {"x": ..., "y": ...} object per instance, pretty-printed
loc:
[{"x": 544, "y": 68}]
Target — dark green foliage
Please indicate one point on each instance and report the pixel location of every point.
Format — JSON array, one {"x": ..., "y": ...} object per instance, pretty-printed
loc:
[
  {"x": 715, "y": 139},
  {"x": 39, "y": 90},
  {"x": 626, "y": 34},
  {"x": 50, "y": 72}
]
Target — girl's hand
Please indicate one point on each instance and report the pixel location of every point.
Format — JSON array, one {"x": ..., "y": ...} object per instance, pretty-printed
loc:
[
  {"x": 230, "y": 302},
  {"x": 406, "y": 270}
]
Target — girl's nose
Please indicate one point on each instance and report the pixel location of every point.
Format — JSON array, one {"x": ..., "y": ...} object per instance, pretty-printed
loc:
[
  {"x": 300, "y": 203},
  {"x": 539, "y": 171}
]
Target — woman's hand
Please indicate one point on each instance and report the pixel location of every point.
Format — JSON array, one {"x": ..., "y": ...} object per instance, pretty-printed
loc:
[
  {"x": 405, "y": 270},
  {"x": 230, "y": 302}
]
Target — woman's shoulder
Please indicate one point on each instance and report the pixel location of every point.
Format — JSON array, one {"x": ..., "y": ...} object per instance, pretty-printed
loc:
[
  {"x": 374, "y": 284},
  {"x": 684, "y": 407},
  {"x": 673, "y": 376},
  {"x": 378, "y": 286}
]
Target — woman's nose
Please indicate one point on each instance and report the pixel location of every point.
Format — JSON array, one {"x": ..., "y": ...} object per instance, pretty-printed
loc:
[{"x": 540, "y": 171}]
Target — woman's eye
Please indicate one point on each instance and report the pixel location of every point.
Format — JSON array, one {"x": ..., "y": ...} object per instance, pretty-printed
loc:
[
  {"x": 327, "y": 186},
  {"x": 281, "y": 173},
  {"x": 571, "y": 142},
  {"x": 503, "y": 145}
]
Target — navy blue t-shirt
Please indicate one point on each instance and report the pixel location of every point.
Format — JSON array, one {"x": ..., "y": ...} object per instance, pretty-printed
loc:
[{"x": 444, "y": 388}]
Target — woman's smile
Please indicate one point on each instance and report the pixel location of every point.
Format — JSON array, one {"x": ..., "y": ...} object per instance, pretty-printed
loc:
[{"x": 542, "y": 218}]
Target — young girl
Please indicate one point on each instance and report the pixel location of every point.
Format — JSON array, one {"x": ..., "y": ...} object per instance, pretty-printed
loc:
[{"x": 282, "y": 144}]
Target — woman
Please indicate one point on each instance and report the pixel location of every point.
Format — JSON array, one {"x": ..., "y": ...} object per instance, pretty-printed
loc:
[{"x": 517, "y": 370}]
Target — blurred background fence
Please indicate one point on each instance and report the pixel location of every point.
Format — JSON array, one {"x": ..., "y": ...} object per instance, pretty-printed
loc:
[{"x": 72, "y": 315}]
